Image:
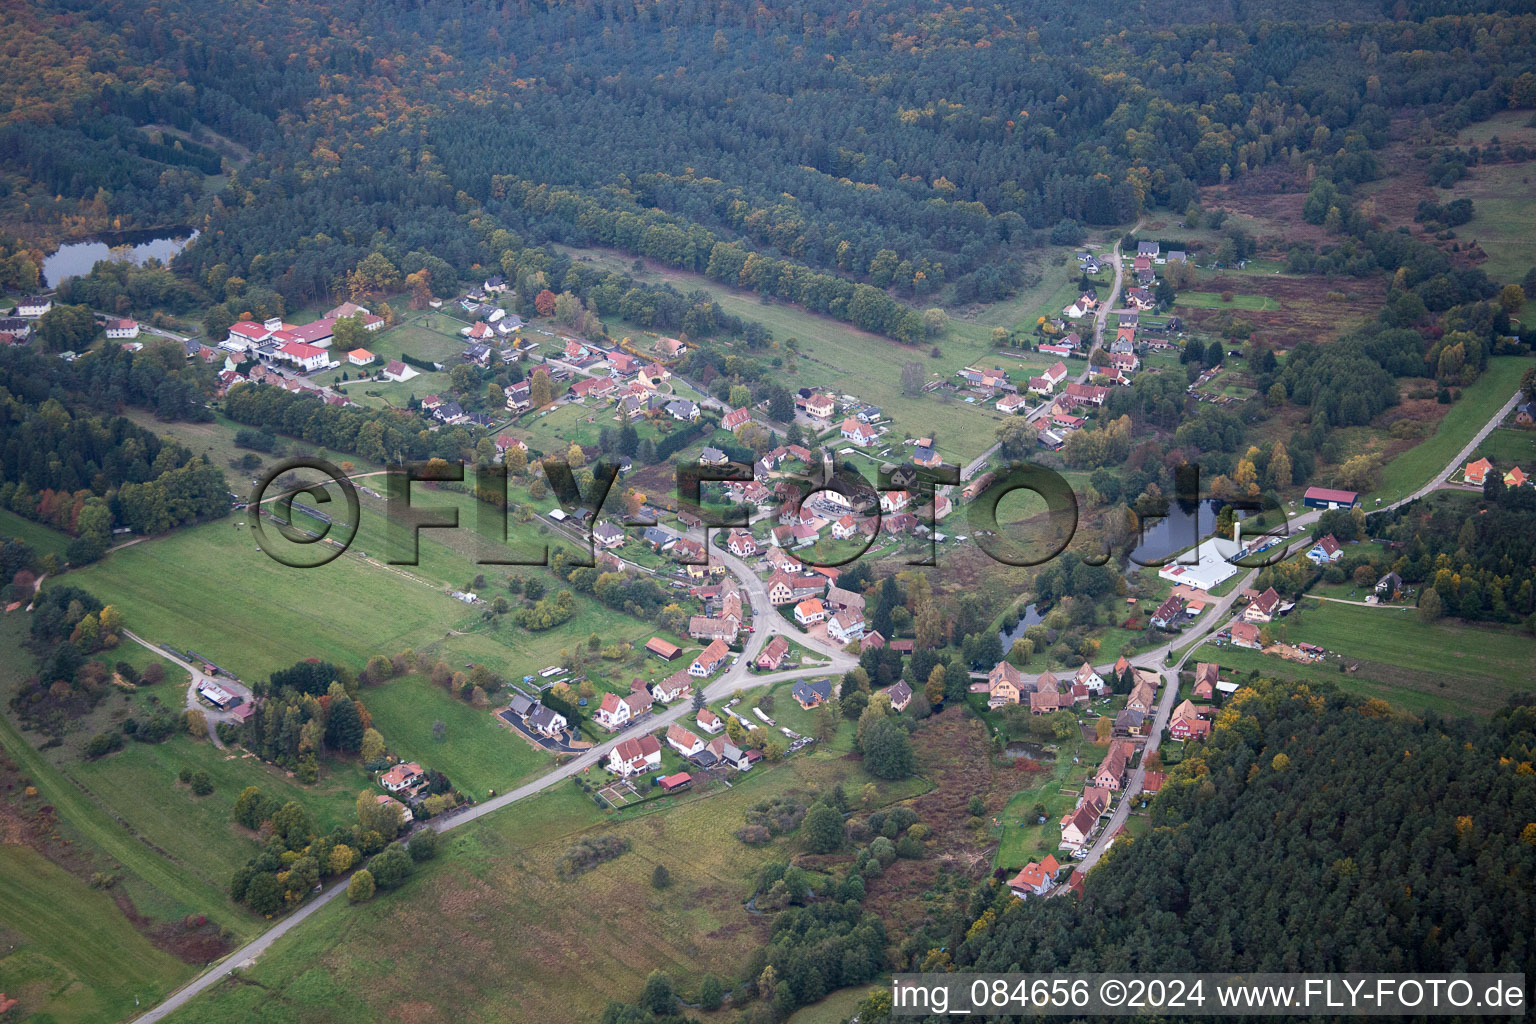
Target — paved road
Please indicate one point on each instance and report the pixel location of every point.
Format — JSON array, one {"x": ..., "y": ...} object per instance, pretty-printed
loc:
[
  {"x": 1219, "y": 616},
  {"x": 766, "y": 621}
]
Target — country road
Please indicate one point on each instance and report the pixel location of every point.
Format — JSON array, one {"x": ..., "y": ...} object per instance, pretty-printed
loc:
[{"x": 738, "y": 677}]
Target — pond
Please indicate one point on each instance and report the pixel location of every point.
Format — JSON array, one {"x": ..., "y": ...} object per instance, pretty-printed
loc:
[
  {"x": 1029, "y": 749},
  {"x": 1031, "y": 617},
  {"x": 76, "y": 259},
  {"x": 1176, "y": 531}
]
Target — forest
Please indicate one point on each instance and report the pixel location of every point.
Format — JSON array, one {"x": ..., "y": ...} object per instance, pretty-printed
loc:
[
  {"x": 1388, "y": 844},
  {"x": 861, "y": 160}
]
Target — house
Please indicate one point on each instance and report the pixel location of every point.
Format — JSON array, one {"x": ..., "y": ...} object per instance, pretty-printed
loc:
[
  {"x": 1388, "y": 586},
  {"x": 773, "y": 654},
  {"x": 780, "y": 589},
  {"x": 614, "y": 712},
  {"x": 1141, "y": 263},
  {"x": 873, "y": 641},
  {"x": 735, "y": 418},
  {"x": 1476, "y": 472},
  {"x": 663, "y": 650},
  {"x": 702, "y": 628},
  {"x": 246, "y": 334},
  {"x": 1129, "y": 722},
  {"x": 518, "y": 396},
  {"x": 1143, "y": 696},
  {"x": 506, "y": 442},
  {"x": 709, "y": 721},
  {"x": 346, "y": 309},
  {"x": 683, "y": 410},
  {"x": 1169, "y": 613},
  {"x": 1040, "y": 386},
  {"x": 1045, "y": 701},
  {"x": 861, "y": 434},
  {"x": 402, "y": 776},
  {"x": 1515, "y": 478},
  {"x": 741, "y": 544},
  {"x": 926, "y": 457},
  {"x": 671, "y": 347},
  {"x": 1011, "y": 403},
  {"x": 810, "y": 695},
  {"x": 1125, "y": 362},
  {"x": 1185, "y": 724},
  {"x": 1056, "y": 374},
  {"x": 547, "y": 722},
  {"x": 1329, "y": 498},
  {"x": 1176, "y": 256},
  {"x": 844, "y": 528},
  {"x": 892, "y": 502},
  {"x": 1326, "y": 551},
  {"x": 1035, "y": 879},
  {"x": 1246, "y": 634},
  {"x": 360, "y": 357},
  {"x": 1078, "y": 826},
  {"x": 306, "y": 357},
  {"x": 1148, "y": 249},
  {"x": 397, "y": 371},
  {"x": 659, "y": 540},
  {"x": 607, "y": 535},
  {"x": 683, "y": 741},
  {"x": 635, "y": 756},
  {"x": 690, "y": 552},
  {"x": 900, "y": 694},
  {"x": 726, "y": 752},
  {"x": 1263, "y": 607},
  {"x": 675, "y": 687},
  {"x": 846, "y": 626},
  {"x": 33, "y": 306},
  {"x": 1004, "y": 685},
  {"x": 710, "y": 659},
  {"x": 122, "y": 330},
  {"x": 810, "y": 611},
  {"x": 1092, "y": 394},
  {"x": 1111, "y": 772},
  {"x": 819, "y": 406},
  {"x": 1207, "y": 675},
  {"x": 1086, "y": 676}
]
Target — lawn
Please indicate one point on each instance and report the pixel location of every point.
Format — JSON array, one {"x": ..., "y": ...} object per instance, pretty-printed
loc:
[
  {"x": 1501, "y": 222},
  {"x": 520, "y": 932},
  {"x": 840, "y": 357},
  {"x": 209, "y": 588},
  {"x": 45, "y": 540},
  {"x": 1020, "y": 838},
  {"x": 1416, "y": 466},
  {"x": 1449, "y": 666},
  {"x": 477, "y": 753},
  {"x": 71, "y": 954},
  {"x": 1509, "y": 446},
  {"x": 1214, "y": 300}
]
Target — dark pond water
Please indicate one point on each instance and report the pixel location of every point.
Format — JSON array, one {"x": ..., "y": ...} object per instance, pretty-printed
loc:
[
  {"x": 1180, "y": 529},
  {"x": 1029, "y": 749},
  {"x": 1031, "y": 617},
  {"x": 77, "y": 258}
]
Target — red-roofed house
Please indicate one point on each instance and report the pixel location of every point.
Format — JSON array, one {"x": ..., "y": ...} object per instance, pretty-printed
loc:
[
  {"x": 635, "y": 756},
  {"x": 773, "y": 654},
  {"x": 683, "y": 741},
  {"x": 735, "y": 418},
  {"x": 1476, "y": 472},
  {"x": 306, "y": 357},
  {"x": 1263, "y": 607},
  {"x": 710, "y": 659},
  {"x": 709, "y": 721},
  {"x": 402, "y": 776},
  {"x": 1035, "y": 879},
  {"x": 861, "y": 434},
  {"x": 613, "y": 713},
  {"x": 810, "y": 611},
  {"x": 1246, "y": 634}
]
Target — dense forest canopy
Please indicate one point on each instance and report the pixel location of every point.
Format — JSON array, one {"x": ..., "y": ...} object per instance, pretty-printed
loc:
[{"x": 799, "y": 150}]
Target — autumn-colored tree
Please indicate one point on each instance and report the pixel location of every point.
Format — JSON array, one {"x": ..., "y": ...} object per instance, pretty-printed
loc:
[
  {"x": 544, "y": 302},
  {"x": 541, "y": 390}
]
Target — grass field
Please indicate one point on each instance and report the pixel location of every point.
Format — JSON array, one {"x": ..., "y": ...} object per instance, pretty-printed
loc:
[
  {"x": 530, "y": 946},
  {"x": 71, "y": 955},
  {"x": 836, "y": 355},
  {"x": 1419, "y": 464},
  {"x": 1509, "y": 446},
  {"x": 1503, "y": 223},
  {"x": 1213, "y": 300},
  {"x": 1020, "y": 837},
  {"x": 477, "y": 753},
  {"x": 211, "y": 589},
  {"x": 44, "y": 539},
  {"x": 1452, "y": 667}
]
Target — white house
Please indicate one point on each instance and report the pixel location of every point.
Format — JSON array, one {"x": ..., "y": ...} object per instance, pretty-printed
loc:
[
  {"x": 635, "y": 756},
  {"x": 846, "y": 626},
  {"x": 34, "y": 306},
  {"x": 613, "y": 712},
  {"x": 1089, "y": 678},
  {"x": 683, "y": 741},
  {"x": 360, "y": 357},
  {"x": 1326, "y": 551},
  {"x": 398, "y": 371},
  {"x": 861, "y": 434},
  {"x": 122, "y": 329},
  {"x": 305, "y": 357}
]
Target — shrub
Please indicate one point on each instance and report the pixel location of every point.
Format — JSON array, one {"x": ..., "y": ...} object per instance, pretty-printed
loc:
[
  {"x": 103, "y": 743},
  {"x": 361, "y": 887},
  {"x": 424, "y": 845},
  {"x": 587, "y": 854},
  {"x": 201, "y": 783},
  {"x": 660, "y": 878}
]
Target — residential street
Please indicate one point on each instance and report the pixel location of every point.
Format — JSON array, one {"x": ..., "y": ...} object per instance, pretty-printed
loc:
[{"x": 737, "y": 677}]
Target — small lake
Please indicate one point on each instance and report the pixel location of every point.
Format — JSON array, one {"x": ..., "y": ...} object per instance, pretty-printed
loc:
[
  {"x": 76, "y": 259},
  {"x": 1179, "y": 529},
  {"x": 1031, "y": 617},
  {"x": 1029, "y": 749}
]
